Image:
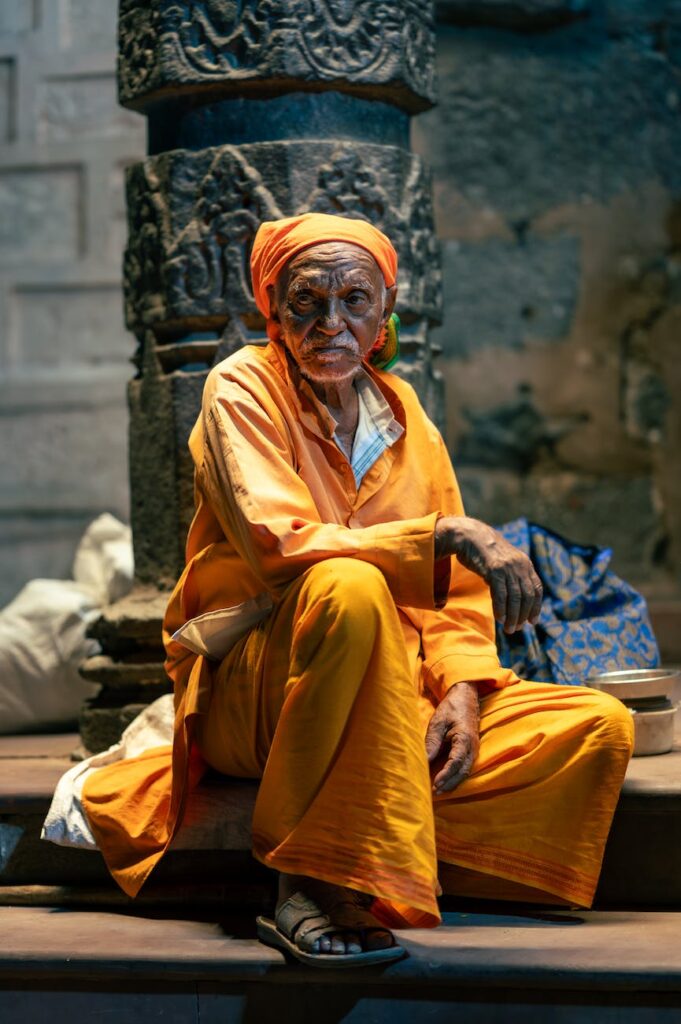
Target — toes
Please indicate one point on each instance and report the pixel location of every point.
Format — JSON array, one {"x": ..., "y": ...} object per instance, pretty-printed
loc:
[
  {"x": 378, "y": 939},
  {"x": 347, "y": 942},
  {"x": 352, "y": 943}
]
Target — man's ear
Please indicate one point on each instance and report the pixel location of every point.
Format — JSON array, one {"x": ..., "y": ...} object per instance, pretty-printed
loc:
[
  {"x": 272, "y": 296},
  {"x": 390, "y": 297}
]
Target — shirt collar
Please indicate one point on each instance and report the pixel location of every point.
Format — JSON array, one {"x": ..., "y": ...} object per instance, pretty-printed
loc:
[{"x": 381, "y": 401}]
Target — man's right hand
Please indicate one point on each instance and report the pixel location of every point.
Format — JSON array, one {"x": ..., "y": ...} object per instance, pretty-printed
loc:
[{"x": 515, "y": 587}]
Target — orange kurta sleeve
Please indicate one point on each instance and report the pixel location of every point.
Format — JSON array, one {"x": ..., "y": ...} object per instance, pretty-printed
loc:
[
  {"x": 247, "y": 471},
  {"x": 458, "y": 640}
]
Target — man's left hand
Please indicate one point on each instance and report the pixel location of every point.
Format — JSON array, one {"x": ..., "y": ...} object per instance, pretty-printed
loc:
[{"x": 454, "y": 732}]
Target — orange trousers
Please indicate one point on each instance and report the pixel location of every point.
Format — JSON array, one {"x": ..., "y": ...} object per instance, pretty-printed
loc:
[{"x": 322, "y": 702}]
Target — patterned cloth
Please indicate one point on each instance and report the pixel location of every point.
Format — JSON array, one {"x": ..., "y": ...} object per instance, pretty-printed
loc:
[
  {"x": 377, "y": 428},
  {"x": 591, "y": 620}
]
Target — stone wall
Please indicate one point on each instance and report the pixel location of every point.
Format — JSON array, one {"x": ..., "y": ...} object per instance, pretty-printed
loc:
[
  {"x": 555, "y": 148},
  {"x": 64, "y": 146},
  {"x": 556, "y": 151}
]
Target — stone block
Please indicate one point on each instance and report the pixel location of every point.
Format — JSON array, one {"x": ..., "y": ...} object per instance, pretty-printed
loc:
[
  {"x": 132, "y": 623},
  {"x": 499, "y": 293},
  {"x": 162, "y": 412},
  {"x": 99, "y": 727},
  {"x": 89, "y": 26},
  {"x": 528, "y": 122},
  {"x": 367, "y": 47},
  {"x": 40, "y": 215},
  {"x": 127, "y": 672},
  {"x": 17, "y": 16},
  {"x": 6, "y": 99},
  {"x": 193, "y": 216},
  {"x": 68, "y": 461},
  {"x": 83, "y": 107},
  {"x": 615, "y": 512},
  {"x": 68, "y": 326}
]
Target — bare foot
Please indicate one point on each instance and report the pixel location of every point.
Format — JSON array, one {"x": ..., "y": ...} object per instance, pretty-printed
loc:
[{"x": 352, "y": 927}]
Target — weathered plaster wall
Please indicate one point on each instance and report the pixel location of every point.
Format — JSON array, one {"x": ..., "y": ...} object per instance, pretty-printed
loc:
[
  {"x": 556, "y": 150},
  {"x": 64, "y": 143}
]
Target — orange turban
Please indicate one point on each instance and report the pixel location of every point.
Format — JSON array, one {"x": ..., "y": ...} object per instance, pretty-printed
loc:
[{"x": 278, "y": 240}]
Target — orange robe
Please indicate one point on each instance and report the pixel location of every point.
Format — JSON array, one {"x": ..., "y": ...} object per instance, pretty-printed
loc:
[{"x": 327, "y": 697}]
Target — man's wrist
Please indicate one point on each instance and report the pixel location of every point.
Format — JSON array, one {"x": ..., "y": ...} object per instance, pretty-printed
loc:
[
  {"x": 449, "y": 535},
  {"x": 464, "y": 684}
]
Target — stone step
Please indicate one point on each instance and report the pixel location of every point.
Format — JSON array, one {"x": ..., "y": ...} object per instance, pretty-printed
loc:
[
  {"x": 640, "y": 866},
  {"x": 573, "y": 968}
]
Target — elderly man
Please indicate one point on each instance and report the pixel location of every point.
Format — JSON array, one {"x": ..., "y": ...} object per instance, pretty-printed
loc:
[{"x": 333, "y": 636}]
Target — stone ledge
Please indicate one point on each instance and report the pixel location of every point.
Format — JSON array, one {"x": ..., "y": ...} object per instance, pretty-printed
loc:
[
  {"x": 28, "y": 777},
  {"x": 599, "y": 952}
]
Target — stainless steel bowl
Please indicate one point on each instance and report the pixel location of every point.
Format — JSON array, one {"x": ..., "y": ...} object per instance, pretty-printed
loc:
[
  {"x": 638, "y": 682},
  {"x": 654, "y": 730}
]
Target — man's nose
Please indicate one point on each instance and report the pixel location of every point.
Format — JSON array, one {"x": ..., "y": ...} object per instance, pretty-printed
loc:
[{"x": 330, "y": 318}]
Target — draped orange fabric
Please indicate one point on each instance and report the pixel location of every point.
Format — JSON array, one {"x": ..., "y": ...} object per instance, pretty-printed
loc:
[
  {"x": 277, "y": 241},
  {"x": 366, "y": 634}
]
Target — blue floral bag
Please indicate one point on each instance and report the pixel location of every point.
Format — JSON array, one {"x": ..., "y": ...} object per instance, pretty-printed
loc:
[{"x": 591, "y": 620}]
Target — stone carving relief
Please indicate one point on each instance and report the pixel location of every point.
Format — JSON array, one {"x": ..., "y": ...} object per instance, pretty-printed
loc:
[
  {"x": 147, "y": 225},
  {"x": 199, "y": 267},
  {"x": 209, "y": 263},
  {"x": 193, "y": 217},
  {"x": 377, "y": 42},
  {"x": 347, "y": 185},
  {"x": 138, "y": 33}
]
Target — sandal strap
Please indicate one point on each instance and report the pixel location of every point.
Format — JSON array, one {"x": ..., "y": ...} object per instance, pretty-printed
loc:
[
  {"x": 307, "y": 937},
  {"x": 303, "y": 921},
  {"x": 291, "y": 916},
  {"x": 348, "y": 916}
]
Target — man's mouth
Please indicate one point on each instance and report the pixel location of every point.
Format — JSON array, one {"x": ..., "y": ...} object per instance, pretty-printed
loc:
[{"x": 329, "y": 347}]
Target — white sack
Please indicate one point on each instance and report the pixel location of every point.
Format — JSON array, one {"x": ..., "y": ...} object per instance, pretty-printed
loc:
[
  {"x": 66, "y": 823},
  {"x": 42, "y": 633},
  {"x": 103, "y": 561}
]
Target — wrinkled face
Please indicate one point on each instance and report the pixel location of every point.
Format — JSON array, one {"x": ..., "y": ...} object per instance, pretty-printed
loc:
[{"x": 331, "y": 303}]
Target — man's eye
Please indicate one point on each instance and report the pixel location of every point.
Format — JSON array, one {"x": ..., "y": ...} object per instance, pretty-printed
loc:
[
  {"x": 356, "y": 299},
  {"x": 303, "y": 299}
]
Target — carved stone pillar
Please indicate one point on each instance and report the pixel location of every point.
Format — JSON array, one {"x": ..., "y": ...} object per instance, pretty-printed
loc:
[{"x": 255, "y": 111}]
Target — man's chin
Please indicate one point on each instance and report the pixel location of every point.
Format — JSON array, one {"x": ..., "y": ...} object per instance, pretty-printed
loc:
[{"x": 329, "y": 373}]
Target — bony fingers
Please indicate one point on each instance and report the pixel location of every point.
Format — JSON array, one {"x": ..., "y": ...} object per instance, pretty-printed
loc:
[
  {"x": 537, "y": 602},
  {"x": 525, "y": 605},
  {"x": 457, "y": 768},
  {"x": 513, "y": 605},
  {"x": 435, "y": 737},
  {"x": 499, "y": 598},
  {"x": 453, "y": 779}
]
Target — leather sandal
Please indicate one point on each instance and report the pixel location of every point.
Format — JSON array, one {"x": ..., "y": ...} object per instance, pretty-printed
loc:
[{"x": 299, "y": 922}]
